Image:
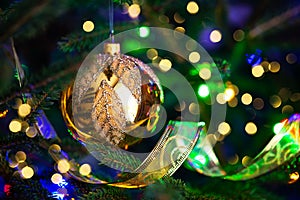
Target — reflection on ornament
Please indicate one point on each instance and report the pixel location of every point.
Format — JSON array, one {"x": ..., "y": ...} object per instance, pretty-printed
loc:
[
  {"x": 123, "y": 95},
  {"x": 284, "y": 146}
]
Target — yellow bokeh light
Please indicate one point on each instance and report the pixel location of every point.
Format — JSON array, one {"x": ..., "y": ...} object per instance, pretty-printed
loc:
[
  {"x": 265, "y": 65},
  {"x": 246, "y": 161},
  {"x": 180, "y": 29},
  {"x": 25, "y": 125},
  {"x": 88, "y": 26},
  {"x": 275, "y": 101},
  {"x": 55, "y": 148},
  {"x": 246, "y": 99},
  {"x": 229, "y": 94},
  {"x": 224, "y": 128},
  {"x": 192, "y": 7},
  {"x": 31, "y": 132},
  {"x": 233, "y": 160},
  {"x": 56, "y": 178},
  {"x": 20, "y": 157},
  {"x": 152, "y": 54},
  {"x": 287, "y": 109},
  {"x": 15, "y": 126},
  {"x": 205, "y": 73},
  {"x": 295, "y": 97},
  {"x": 215, "y": 36},
  {"x": 274, "y": 67},
  {"x": 194, "y": 108},
  {"x": 134, "y": 11},
  {"x": 85, "y": 169},
  {"x": 238, "y": 35},
  {"x": 221, "y": 98},
  {"x": 233, "y": 102},
  {"x": 194, "y": 57},
  {"x": 24, "y": 110},
  {"x": 63, "y": 166},
  {"x": 191, "y": 45},
  {"x": 165, "y": 65},
  {"x": 250, "y": 128},
  {"x": 178, "y": 18},
  {"x": 291, "y": 58},
  {"x": 13, "y": 163},
  {"x": 258, "y": 71},
  {"x": 163, "y": 19},
  {"x": 27, "y": 172},
  {"x": 258, "y": 103},
  {"x": 293, "y": 177}
]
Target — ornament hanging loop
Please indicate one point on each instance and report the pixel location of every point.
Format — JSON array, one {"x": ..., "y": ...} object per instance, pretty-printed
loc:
[{"x": 111, "y": 20}]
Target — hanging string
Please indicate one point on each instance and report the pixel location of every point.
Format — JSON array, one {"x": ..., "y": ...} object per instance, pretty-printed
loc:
[{"x": 111, "y": 20}]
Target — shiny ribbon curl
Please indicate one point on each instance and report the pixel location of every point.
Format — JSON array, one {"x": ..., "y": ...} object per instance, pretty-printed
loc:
[{"x": 284, "y": 146}]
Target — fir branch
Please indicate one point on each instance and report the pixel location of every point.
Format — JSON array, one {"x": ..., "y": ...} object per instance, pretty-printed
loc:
[
  {"x": 109, "y": 193},
  {"x": 81, "y": 41},
  {"x": 28, "y": 189},
  {"x": 123, "y": 1}
]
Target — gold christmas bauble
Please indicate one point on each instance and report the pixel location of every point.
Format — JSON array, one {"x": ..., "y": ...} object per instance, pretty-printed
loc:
[{"x": 117, "y": 99}]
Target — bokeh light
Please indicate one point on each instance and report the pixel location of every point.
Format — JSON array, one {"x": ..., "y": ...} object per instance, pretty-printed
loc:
[
  {"x": 63, "y": 166},
  {"x": 203, "y": 90},
  {"x": 192, "y": 7},
  {"x": 233, "y": 102},
  {"x": 191, "y": 45},
  {"x": 287, "y": 109},
  {"x": 215, "y": 36},
  {"x": 88, "y": 26},
  {"x": 233, "y": 160},
  {"x": 224, "y": 128},
  {"x": 152, "y": 54},
  {"x": 165, "y": 65},
  {"x": 291, "y": 58},
  {"x": 205, "y": 73},
  {"x": 250, "y": 128},
  {"x": 144, "y": 31},
  {"x": 56, "y": 178},
  {"x": 194, "y": 108},
  {"x": 246, "y": 99},
  {"x": 246, "y": 161},
  {"x": 275, "y": 101},
  {"x": 258, "y": 103},
  {"x": 221, "y": 98},
  {"x": 295, "y": 97},
  {"x": 238, "y": 35},
  {"x": 277, "y": 127},
  {"x": 134, "y": 11},
  {"x": 31, "y": 132},
  {"x": 257, "y": 71},
  {"x": 27, "y": 172},
  {"x": 15, "y": 126},
  {"x": 178, "y": 18},
  {"x": 24, "y": 110},
  {"x": 85, "y": 169},
  {"x": 20, "y": 156},
  {"x": 179, "y": 29},
  {"x": 194, "y": 57},
  {"x": 274, "y": 67},
  {"x": 229, "y": 94}
]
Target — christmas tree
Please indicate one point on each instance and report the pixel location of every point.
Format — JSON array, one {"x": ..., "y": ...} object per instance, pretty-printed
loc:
[{"x": 210, "y": 88}]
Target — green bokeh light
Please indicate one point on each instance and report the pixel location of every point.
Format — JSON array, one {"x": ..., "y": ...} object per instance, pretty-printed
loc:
[
  {"x": 203, "y": 90},
  {"x": 144, "y": 31}
]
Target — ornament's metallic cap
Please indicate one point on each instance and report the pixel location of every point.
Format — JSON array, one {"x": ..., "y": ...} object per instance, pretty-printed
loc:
[{"x": 112, "y": 48}]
